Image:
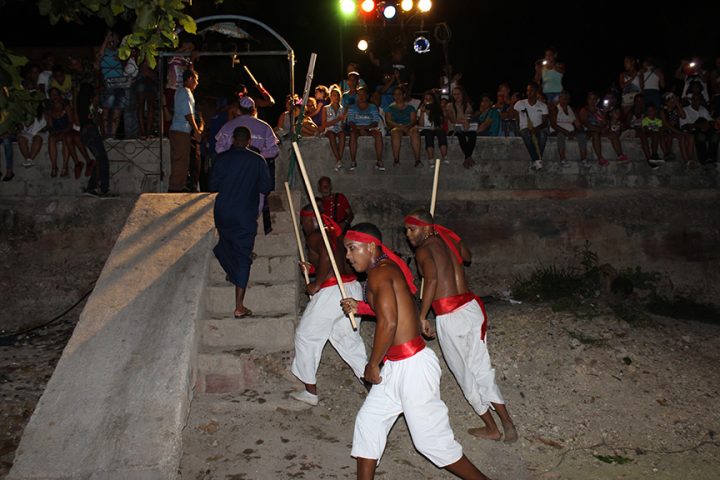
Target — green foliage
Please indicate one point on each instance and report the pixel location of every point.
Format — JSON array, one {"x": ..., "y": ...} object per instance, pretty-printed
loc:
[
  {"x": 17, "y": 105},
  {"x": 618, "y": 459},
  {"x": 154, "y": 21}
]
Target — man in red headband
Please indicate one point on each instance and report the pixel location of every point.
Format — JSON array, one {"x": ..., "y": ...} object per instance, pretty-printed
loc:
[
  {"x": 409, "y": 381},
  {"x": 460, "y": 319},
  {"x": 323, "y": 318}
]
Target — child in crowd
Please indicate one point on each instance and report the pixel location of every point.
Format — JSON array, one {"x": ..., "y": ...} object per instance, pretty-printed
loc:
[
  {"x": 333, "y": 116},
  {"x": 652, "y": 127},
  {"x": 430, "y": 123}
]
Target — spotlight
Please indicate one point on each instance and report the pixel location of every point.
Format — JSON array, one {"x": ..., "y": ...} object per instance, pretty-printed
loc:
[
  {"x": 406, "y": 5},
  {"x": 424, "y": 5},
  {"x": 362, "y": 45},
  {"x": 421, "y": 44},
  {"x": 389, "y": 12},
  {"x": 367, "y": 6},
  {"x": 347, "y": 7}
]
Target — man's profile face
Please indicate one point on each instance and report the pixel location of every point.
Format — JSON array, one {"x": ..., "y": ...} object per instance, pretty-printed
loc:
[
  {"x": 415, "y": 234},
  {"x": 308, "y": 225},
  {"x": 359, "y": 255},
  {"x": 325, "y": 188}
]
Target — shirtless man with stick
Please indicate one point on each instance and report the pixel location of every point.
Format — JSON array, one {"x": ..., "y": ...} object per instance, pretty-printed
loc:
[
  {"x": 460, "y": 317},
  {"x": 409, "y": 380}
]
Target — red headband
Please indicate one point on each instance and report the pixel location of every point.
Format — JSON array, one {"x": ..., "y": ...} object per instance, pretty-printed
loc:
[
  {"x": 307, "y": 213},
  {"x": 355, "y": 236},
  {"x": 449, "y": 237}
]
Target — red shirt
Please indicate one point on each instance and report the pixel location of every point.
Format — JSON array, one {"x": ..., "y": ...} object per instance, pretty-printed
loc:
[{"x": 336, "y": 206}]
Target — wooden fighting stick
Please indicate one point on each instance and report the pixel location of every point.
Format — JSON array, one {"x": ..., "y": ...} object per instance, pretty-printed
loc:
[
  {"x": 433, "y": 201},
  {"x": 326, "y": 241},
  {"x": 293, "y": 214}
]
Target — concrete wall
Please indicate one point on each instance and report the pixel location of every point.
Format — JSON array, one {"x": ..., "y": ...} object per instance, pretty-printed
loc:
[
  {"x": 134, "y": 169},
  {"x": 118, "y": 399}
]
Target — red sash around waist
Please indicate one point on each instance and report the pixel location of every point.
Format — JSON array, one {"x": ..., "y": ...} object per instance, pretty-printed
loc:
[
  {"x": 405, "y": 350},
  {"x": 333, "y": 281},
  {"x": 443, "y": 306}
]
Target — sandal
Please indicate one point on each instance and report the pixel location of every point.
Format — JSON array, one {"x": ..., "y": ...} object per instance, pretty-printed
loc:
[
  {"x": 419, "y": 163},
  {"x": 64, "y": 172},
  {"x": 78, "y": 169},
  {"x": 246, "y": 313}
]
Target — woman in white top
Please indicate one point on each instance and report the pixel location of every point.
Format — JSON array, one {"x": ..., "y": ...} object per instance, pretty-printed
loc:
[
  {"x": 653, "y": 82},
  {"x": 332, "y": 117},
  {"x": 630, "y": 83},
  {"x": 566, "y": 124}
]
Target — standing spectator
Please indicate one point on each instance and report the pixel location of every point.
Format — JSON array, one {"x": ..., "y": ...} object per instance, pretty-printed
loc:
[
  {"x": 31, "y": 73},
  {"x": 715, "y": 87},
  {"x": 401, "y": 119},
  {"x": 115, "y": 92},
  {"x": 430, "y": 124},
  {"x": 322, "y": 98},
  {"x": 488, "y": 119},
  {"x": 549, "y": 75},
  {"x": 672, "y": 114},
  {"x": 596, "y": 124},
  {"x": 504, "y": 106},
  {"x": 130, "y": 112},
  {"x": 533, "y": 119},
  {"x": 446, "y": 84},
  {"x": 459, "y": 112},
  {"x": 60, "y": 118},
  {"x": 7, "y": 141},
  {"x": 700, "y": 124},
  {"x": 44, "y": 77},
  {"x": 690, "y": 72},
  {"x": 147, "y": 97},
  {"x": 363, "y": 119},
  {"x": 88, "y": 118},
  {"x": 652, "y": 126},
  {"x": 564, "y": 121},
  {"x": 62, "y": 82},
  {"x": 176, "y": 67},
  {"x": 390, "y": 83},
  {"x": 335, "y": 205},
  {"x": 345, "y": 84},
  {"x": 397, "y": 62},
  {"x": 239, "y": 176},
  {"x": 333, "y": 116},
  {"x": 630, "y": 81},
  {"x": 183, "y": 127},
  {"x": 653, "y": 82},
  {"x": 30, "y": 139}
]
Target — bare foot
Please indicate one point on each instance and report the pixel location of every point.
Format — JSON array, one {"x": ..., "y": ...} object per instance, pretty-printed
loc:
[
  {"x": 511, "y": 435},
  {"x": 484, "y": 432}
]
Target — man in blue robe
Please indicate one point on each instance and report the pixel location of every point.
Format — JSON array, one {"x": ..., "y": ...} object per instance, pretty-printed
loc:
[{"x": 239, "y": 175}]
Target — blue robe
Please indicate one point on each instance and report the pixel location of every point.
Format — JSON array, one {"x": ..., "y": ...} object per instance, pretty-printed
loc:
[{"x": 239, "y": 176}]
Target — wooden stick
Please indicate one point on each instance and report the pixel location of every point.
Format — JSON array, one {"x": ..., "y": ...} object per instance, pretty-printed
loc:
[
  {"x": 433, "y": 201},
  {"x": 293, "y": 214},
  {"x": 323, "y": 233},
  {"x": 252, "y": 77}
]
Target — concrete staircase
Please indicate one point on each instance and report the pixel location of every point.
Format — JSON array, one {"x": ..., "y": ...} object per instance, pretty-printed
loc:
[{"x": 233, "y": 353}]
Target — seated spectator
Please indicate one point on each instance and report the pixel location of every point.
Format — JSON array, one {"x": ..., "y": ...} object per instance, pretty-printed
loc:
[
  {"x": 616, "y": 123},
  {"x": 350, "y": 94},
  {"x": 309, "y": 127},
  {"x": 629, "y": 82},
  {"x": 430, "y": 125},
  {"x": 31, "y": 72},
  {"x": 322, "y": 97},
  {"x": 30, "y": 139},
  {"x": 549, "y": 75},
  {"x": 690, "y": 72},
  {"x": 532, "y": 115},
  {"x": 363, "y": 119},
  {"x": 504, "y": 106},
  {"x": 44, "y": 77},
  {"x": 653, "y": 82},
  {"x": 376, "y": 99},
  {"x": 459, "y": 112},
  {"x": 443, "y": 108},
  {"x": 7, "y": 141},
  {"x": 334, "y": 205},
  {"x": 446, "y": 84},
  {"x": 61, "y": 120},
  {"x": 634, "y": 123},
  {"x": 284, "y": 128},
  {"x": 333, "y": 116},
  {"x": 401, "y": 119},
  {"x": 567, "y": 126},
  {"x": 62, "y": 82},
  {"x": 701, "y": 125},
  {"x": 672, "y": 114},
  {"x": 652, "y": 126},
  {"x": 597, "y": 125},
  {"x": 487, "y": 119}
]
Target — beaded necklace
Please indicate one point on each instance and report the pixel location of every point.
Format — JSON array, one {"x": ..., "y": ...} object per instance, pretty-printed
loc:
[{"x": 373, "y": 264}]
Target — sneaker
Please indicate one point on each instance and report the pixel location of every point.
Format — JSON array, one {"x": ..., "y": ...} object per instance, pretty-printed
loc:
[
  {"x": 622, "y": 158},
  {"x": 28, "y": 163},
  {"x": 353, "y": 166},
  {"x": 585, "y": 164},
  {"x": 338, "y": 166},
  {"x": 602, "y": 162},
  {"x": 380, "y": 167},
  {"x": 446, "y": 161},
  {"x": 305, "y": 397},
  {"x": 564, "y": 164},
  {"x": 655, "y": 161},
  {"x": 537, "y": 165},
  {"x": 91, "y": 192},
  {"x": 654, "y": 167}
]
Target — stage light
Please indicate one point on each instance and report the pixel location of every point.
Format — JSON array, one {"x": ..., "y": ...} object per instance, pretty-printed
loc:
[
  {"x": 347, "y": 7},
  {"x": 362, "y": 45},
  {"x": 421, "y": 44},
  {"x": 406, "y": 5},
  {"x": 424, "y": 5},
  {"x": 389, "y": 12},
  {"x": 367, "y": 6}
]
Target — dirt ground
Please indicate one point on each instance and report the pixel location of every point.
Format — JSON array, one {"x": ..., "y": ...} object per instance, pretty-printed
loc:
[{"x": 640, "y": 396}]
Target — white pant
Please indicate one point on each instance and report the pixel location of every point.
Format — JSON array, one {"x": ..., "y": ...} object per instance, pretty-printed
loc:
[
  {"x": 412, "y": 387},
  {"x": 324, "y": 320},
  {"x": 467, "y": 356}
]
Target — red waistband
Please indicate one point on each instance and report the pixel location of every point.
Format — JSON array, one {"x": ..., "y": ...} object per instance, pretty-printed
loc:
[
  {"x": 443, "y": 306},
  {"x": 333, "y": 281},
  {"x": 405, "y": 350}
]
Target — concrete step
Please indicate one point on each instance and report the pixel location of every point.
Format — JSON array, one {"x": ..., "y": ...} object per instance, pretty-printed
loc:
[
  {"x": 264, "y": 270},
  {"x": 264, "y": 334},
  {"x": 226, "y": 371},
  {"x": 275, "y": 244},
  {"x": 281, "y": 223},
  {"x": 262, "y": 299}
]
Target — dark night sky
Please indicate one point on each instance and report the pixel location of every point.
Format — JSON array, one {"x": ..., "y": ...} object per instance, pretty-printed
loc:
[{"x": 491, "y": 41}]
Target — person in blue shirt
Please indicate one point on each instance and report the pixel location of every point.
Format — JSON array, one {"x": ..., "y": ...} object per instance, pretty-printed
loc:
[
  {"x": 401, "y": 119},
  {"x": 182, "y": 129},
  {"x": 488, "y": 119},
  {"x": 362, "y": 120}
]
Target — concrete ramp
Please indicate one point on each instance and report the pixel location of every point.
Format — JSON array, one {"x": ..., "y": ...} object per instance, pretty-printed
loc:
[{"x": 118, "y": 399}]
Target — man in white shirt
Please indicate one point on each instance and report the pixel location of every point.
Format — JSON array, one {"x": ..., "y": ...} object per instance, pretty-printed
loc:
[
  {"x": 532, "y": 115},
  {"x": 699, "y": 122}
]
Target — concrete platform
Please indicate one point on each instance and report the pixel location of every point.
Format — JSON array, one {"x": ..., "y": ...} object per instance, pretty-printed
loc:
[
  {"x": 262, "y": 299},
  {"x": 265, "y": 334},
  {"x": 118, "y": 400}
]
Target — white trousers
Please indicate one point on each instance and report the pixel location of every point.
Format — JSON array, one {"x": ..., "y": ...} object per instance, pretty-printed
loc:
[
  {"x": 412, "y": 387},
  {"x": 467, "y": 355},
  {"x": 324, "y": 320}
]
